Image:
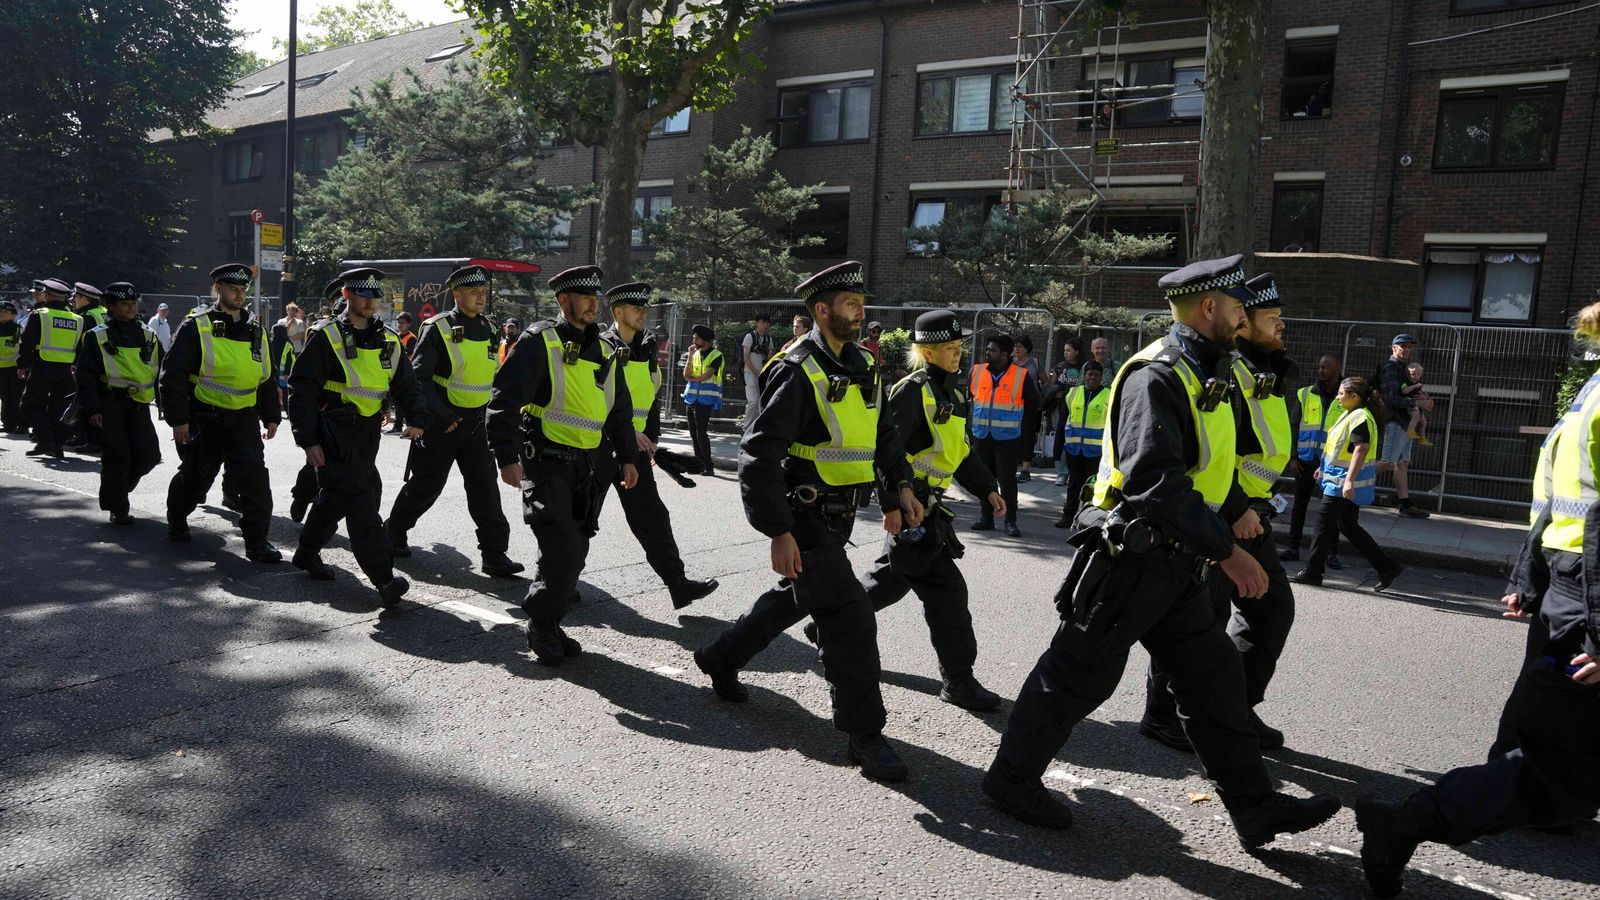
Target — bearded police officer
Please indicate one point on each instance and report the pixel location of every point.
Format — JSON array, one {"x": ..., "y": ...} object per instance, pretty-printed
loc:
[
  {"x": 635, "y": 348},
  {"x": 1260, "y": 625},
  {"x": 806, "y": 463},
  {"x": 351, "y": 364},
  {"x": 455, "y": 362},
  {"x": 49, "y": 347},
  {"x": 1146, "y": 551},
  {"x": 557, "y": 401},
  {"x": 117, "y": 365}
]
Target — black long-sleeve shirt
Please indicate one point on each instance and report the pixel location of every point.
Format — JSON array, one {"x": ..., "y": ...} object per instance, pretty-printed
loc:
[
  {"x": 643, "y": 346},
  {"x": 905, "y": 403},
  {"x": 92, "y": 391},
  {"x": 430, "y": 357},
  {"x": 789, "y": 415},
  {"x": 525, "y": 379},
  {"x": 320, "y": 364},
  {"x": 1392, "y": 379},
  {"x": 1156, "y": 444},
  {"x": 183, "y": 360}
]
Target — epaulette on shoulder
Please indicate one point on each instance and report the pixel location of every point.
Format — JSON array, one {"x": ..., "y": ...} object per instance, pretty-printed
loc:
[
  {"x": 437, "y": 316},
  {"x": 541, "y": 325},
  {"x": 1168, "y": 356},
  {"x": 798, "y": 353},
  {"x": 321, "y": 324}
]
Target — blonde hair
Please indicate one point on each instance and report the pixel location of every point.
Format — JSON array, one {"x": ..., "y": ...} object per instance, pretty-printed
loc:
[
  {"x": 915, "y": 361},
  {"x": 1586, "y": 324}
]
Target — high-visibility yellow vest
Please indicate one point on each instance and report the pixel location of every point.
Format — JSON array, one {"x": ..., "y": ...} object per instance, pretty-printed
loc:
[
  {"x": 286, "y": 358},
  {"x": 1212, "y": 473},
  {"x": 9, "y": 349},
  {"x": 704, "y": 393},
  {"x": 939, "y": 460},
  {"x": 127, "y": 368},
  {"x": 846, "y": 458},
  {"x": 230, "y": 370},
  {"x": 997, "y": 408},
  {"x": 580, "y": 401},
  {"x": 1337, "y": 456},
  {"x": 1567, "y": 461},
  {"x": 472, "y": 365},
  {"x": 1086, "y": 421},
  {"x": 1269, "y": 420},
  {"x": 644, "y": 380},
  {"x": 58, "y": 334},
  {"x": 1314, "y": 423},
  {"x": 367, "y": 373},
  {"x": 93, "y": 317}
]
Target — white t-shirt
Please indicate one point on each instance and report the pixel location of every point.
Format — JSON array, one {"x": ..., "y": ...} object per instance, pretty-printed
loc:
[
  {"x": 758, "y": 359},
  {"x": 163, "y": 331}
]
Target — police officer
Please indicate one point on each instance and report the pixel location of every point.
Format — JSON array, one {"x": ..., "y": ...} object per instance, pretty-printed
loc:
[
  {"x": 1260, "y": 625},
  {"x": 10, "y": 381},
  {"x": 351, "y": 363},
  {"x": 305, "y": 481},
  {"x": 454, "y": 362},
  {"x": 806, "y": 463},
  {"x": 930, "y": 414},
  {"x": 635, "y": 347},
  {"x": 557, "y": 400},
  {"x": 49, "y": 348},
  {"x": 91, "y": 308},
  {"x": 216, "y": 387},
  {"x": 1146, "y": 551},
  {"x": 117, "y": 365},
  {"x": 1547, "y": 771}
]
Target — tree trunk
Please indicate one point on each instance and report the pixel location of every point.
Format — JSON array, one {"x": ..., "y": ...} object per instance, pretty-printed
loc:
[
  {"x": 619, "y": 184},
  {"x": 1232, "y": 127}
]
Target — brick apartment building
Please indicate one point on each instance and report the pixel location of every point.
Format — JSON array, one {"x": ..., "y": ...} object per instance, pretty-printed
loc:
[{"x": 1423, "y": 159}]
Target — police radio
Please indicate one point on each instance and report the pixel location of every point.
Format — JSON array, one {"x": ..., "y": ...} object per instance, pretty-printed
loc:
[{"x": 569, "y": 352}]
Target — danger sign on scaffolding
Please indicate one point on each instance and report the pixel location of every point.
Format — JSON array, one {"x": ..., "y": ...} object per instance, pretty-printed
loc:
[{"x": 1107, "y": 146}]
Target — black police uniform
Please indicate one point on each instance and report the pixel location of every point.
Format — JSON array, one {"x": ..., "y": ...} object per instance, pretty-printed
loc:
[
  {"x": 305, "y": 481},
  {"x": 10, "y": 380},
  {"x": 219, "y": 438},
  {"x": 349, "y": 487},
  {"x": 130, "y": 449},
  {"x": 456, "y": 437},
  {"x": 563, "y": 487},
  {"x": 49, "y": 388}
]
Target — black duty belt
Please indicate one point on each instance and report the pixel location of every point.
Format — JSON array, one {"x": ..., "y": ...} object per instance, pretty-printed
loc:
[
  {"x": 838, "y": 502},
  {"x": 554, "y": 452}
]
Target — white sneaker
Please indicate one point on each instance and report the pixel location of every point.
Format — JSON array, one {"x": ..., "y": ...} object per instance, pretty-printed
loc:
[{"x": 1061, "y": 481}]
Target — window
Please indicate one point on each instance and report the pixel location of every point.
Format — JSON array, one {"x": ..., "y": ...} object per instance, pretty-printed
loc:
[
  {"x": 1308, "y": 79},
  {"x": 241, "y": 238},
  {"x": 964, "y": 102},
  {"x": 262, "y": 89},
  {"x": 830, "y": 221},
  {"x": 677, "y": 123},
  {"x": 1296, "y": 217},
  {"x": 1473, "y": 7},
  {"x": 1151, "y": 91},
  {"x": 828, "y": 114},
  {"x": 446, "y": 53},
  {"x": 558, "y": 234},
  {"x": 311, "y": 81},
  {"x": 1511, "y": 127},
  {"x": 315, "y": 151},
  {"x": 1147, "y": 223},
  {"x": 241, "y": 161},
  {"x": 649, "y": 205},
  {"x": 927, "y": 212},
  {"x": 1481, "y": 284}
]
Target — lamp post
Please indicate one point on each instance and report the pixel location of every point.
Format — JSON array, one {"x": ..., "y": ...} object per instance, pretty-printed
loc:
[{"x": 286, "y": 283}]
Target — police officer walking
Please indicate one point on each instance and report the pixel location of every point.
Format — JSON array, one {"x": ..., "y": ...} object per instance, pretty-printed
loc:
[
  {"x": 635, "y": 349},
  {"x": 555, "y": 403},
  {"x": 351, "y": 364},
  {"x": 10, "y": 381},
  {"x": 806, "y": 463},
  {"x": 91, "y": 308},
  {"x": 1146, "y": 550},
  {"x": 117, "y": 365},
  {"x": 216, "y": 387},
  {"x": 305, "y": 480},
  {"x": 1260, "y": 626},
  {"x": 49, "y": 347},
  {"x": 454, "y": 362}
]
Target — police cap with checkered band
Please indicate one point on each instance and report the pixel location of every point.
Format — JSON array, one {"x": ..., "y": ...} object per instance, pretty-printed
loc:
[
  {"x": 231, "y": 273},
  {"x": 846, "y": 276},
  {"x": 121, "y": 290},
  {"x": 1225, "y": 275},
  {"x": 365, "y": 278},
  {"x": 577, "y": 280},
  {"x": 937, "y": 327},
  {"x": 634, "y": 292},
  {"x": 466, "y": 276}
]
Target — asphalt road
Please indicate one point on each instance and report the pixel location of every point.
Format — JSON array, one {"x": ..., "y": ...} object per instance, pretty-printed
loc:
[{"x": 176, "y": 721}]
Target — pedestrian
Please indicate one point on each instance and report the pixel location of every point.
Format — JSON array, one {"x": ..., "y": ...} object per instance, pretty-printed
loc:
[
  {"x": 117, "y": 365},
  {"x": 807, "y": 462},
  {"x": 755, "y": 348},
  {"x": 10, "y": 381},
  {"x": 871, "y": 343},
  {"x": 635, "y": 347},
  {"x": 220, "y": 398},
  {"x": 1546, "y": 773},
  {"x": 1022, "y": 355},
  {"x": 454, "y": 364},
  {"x": 702, "y": 391},
  {"x": 930, "y": 413},
  {"x": 801, "y": 327},
  {"x": 1100, "y": 352},
  {"x": 163, "y": 329},
  {"x": 1394, "y": 382},
  {"x": 1003, "y": 396},
  {"x": 295, "y": 325},
  {"x": 1067, "y": 374},
  {"x": 91, "y": 308},
  {"x": 1317, "y": 410},
  {"x": 336, "y": 393},
  {"x": 1148, "y": 547},
  {"x": 48, "y": 349},
  {"x": 1348, "y": 483},
  {"x": 408, "y": 344},
  {"x": 1085, "y": 417},
  {"x": 509, "y": 332},
  {"x": 563, "y": 381},
  {"x": 1264, "y": 443}
]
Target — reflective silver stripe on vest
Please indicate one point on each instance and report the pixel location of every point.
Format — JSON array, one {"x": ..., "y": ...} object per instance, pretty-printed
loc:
[
  {"x": 556, "y": 411},
  {"x": 1257, "y": 470},
  {"x": 1258, "y": 416},
  {"x": 844, "y": 455},
  {"x": 221, "y": 388},
  {"x": 1570, "y": 508},
  {"x": 1563, "y": 504},
  {"x": 562, "y": 417},
  {"x": 458, "y": 364},
  {"x": 364, "y": 393},
  {"x": 352, "y": 378}
]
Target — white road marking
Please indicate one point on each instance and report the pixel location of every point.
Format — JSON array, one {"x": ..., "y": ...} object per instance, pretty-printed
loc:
[{"x": 477, "y": 612}]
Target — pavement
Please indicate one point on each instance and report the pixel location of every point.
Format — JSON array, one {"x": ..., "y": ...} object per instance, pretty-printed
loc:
[{"x": 178, "y": 722}]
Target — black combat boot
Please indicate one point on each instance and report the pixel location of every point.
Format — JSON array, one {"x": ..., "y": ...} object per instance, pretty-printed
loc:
[
  {"x": 1260, "y": 821},
  {"x": 1384, "y": 849},
  {"x": 965, "y": 691},
  {"x": 724, "y": 679},
  {"x": 550, "y": 644},
  {"x": 262, "y": 552},
  {"x": 312, "y": 565},
  {"x": 1026, "y": 800},
  {"x": 397, "y": 541},
  {"x": 392, "y": 590},
  {"x": 498, "y": 564},
  {"x": 876, "y": 758},
  {"x": 1270, "y": 738},
  {"x": 688, "y": 590}
]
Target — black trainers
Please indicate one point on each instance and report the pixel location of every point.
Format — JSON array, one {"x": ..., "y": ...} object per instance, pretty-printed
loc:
[
  {"x": 389, "y": 595},
  {"x": 232, "y": 502},
  {"x": 876, "y": 758},
  {"x": 262, "y": 552},
  {"x": 312, "y": 564},
  {"x": 548, "y": 643},
  {"x": 1167, "y": 735},
  {"x": 1260, "y": 822},
  {"x": 1304, "y": 577},
  {"x": 498, "y": 564},
  {"x": 1270, "y": 738},
  {"x": 1384, "y": 852},
  {"x": 1290, "y": 555},
  {"x": 689, "y": 590},
  {"x": 724, "y": 680},
  {"x": 397, "y": 542},
  {"x": 1387, "y": 577},
  {"x": 967, "y": 693},
  {"x": 1026, "y": 801}
]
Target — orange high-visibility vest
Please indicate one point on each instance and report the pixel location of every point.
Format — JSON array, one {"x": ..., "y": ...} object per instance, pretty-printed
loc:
[{"x": 997, "y": 408}]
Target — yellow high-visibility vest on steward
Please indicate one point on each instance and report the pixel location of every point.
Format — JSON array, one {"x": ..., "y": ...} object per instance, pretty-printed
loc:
[
  {"x": 1567, "y": 464},
  {"x": 128, "y": 369},
  {"x": 1337, "y": 456},
  {"x": 1085, "y": 432},
  {"x": 1314, "y": 423},
  {"x": 230, "y": 370},
  {"x": 582, "y": 394},
  {"x": 1212, "y": 473},
  {"x": 472, "y": 364},
  {"x": 938, "y": 462},
  {"x": 846, "y": 457},
  {"x": 704, "y": 393},
  {"x": 58, "y": 334},
  {"x": 366, "y": 374},
  {"x": 1269, "y": 420}
]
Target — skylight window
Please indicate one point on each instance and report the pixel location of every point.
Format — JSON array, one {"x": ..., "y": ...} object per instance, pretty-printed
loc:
[
  {"x": 311, "y": 80},
  {"x": 447, "y": 52},
  {"x": 261, "y": 89}
]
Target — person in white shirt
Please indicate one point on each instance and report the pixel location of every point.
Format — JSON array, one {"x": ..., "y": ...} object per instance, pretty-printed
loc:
[
  {"x": 757, "y": 346},
  {"x": 158, "y": 324},
  {"x": 294, "y": 322}
]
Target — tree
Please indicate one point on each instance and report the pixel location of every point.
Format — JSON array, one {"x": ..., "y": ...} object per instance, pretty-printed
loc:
[
  {"x": 447, "y": 170},
  {"x": 249, "y": 62},
  {"x": 87, "y": 195},
  {"x": 738, "y": 242},
  {"x": 340, "y": 25},
  {"x": 608, "y": 71},
  {"x": 1234, "y": 69}
]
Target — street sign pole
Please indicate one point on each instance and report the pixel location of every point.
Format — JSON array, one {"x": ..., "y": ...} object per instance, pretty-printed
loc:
[{"x": 257, "y": 269}]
